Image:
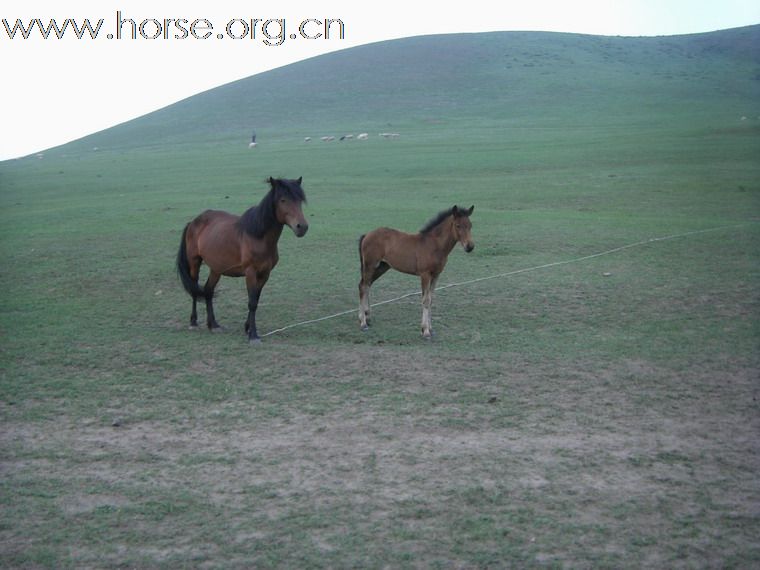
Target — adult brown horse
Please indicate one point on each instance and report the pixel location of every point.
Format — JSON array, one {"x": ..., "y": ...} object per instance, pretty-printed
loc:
[
  {"x": 424, "y": 254},
  {"x": 239, "y": 246}
]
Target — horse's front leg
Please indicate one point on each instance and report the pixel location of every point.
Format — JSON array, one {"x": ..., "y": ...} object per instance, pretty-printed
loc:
[
  {"x": 255, "y": 283},
  {"x": 250, "y": 324}
]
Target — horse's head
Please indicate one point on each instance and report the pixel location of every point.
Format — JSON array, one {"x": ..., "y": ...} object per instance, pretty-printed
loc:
[
  {"x": 463, "y": 227},
  {"x": 288, "y": 199}
]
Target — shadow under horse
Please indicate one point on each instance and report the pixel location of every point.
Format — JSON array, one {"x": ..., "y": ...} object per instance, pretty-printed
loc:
[
  {"x": 239, "y": 246},
  {"x": 424, "y": 253}
]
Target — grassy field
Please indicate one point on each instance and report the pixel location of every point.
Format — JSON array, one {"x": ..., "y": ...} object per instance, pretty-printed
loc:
[{"x": 598, "y": 413}]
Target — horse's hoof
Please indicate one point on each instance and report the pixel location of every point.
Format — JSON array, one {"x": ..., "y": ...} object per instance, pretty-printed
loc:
[
  {"x": 192, "y": 328},
  {"x": 365, "y": 328},
  {"x": 217, "y": 329},
  {"x": 254, "y": 341}
]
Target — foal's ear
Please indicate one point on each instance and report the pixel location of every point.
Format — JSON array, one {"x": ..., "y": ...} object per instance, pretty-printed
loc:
[
  {"x": 300, "y": 179},
  {"x": 469, "y": 212},
  {"x": 270, "y": 180},
  {"x": 455, "y": 211}
]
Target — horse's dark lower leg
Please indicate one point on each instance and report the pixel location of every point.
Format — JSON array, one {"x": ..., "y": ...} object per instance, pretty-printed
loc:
[
  {"x": 210, "y": 318},
  {"x": 208, "y": 288},
  {"x": 194, "y": 314},
  {"x": 250, "y": 324},
  {"x": 194, "y": 266}
]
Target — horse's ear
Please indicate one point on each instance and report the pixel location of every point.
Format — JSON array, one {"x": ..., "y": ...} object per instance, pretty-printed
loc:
[
  {"x": 270, "y": 180},
  {"x": 469, "y": 212},
  {"x": 300, "y": 179},
  {"x": 455, "y": 211}
]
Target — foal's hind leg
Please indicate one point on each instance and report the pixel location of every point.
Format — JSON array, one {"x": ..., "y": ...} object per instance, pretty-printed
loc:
[
  {"x": 213, "y": 279},
  {"x": 369, "y": 276}
]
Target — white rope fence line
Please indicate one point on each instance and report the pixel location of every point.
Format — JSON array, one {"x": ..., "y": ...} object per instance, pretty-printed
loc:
[{"x": 507, "y": 274}]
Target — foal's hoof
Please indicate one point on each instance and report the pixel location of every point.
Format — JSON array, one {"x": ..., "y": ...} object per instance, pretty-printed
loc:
[
  {"x": 216, "y": 330},
  {"x": 254, "y": 341},
  {"x": 365, "y": 328},
  {"x": 192, "y": 328}
]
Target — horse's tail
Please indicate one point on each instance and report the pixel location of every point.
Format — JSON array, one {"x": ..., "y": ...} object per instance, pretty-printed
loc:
[
  {"x": 183, "y": 270},
  {"x": 361, "y": 255}
]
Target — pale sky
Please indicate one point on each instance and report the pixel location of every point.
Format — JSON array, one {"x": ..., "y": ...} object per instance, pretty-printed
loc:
[{"x": 55, "y": 91}]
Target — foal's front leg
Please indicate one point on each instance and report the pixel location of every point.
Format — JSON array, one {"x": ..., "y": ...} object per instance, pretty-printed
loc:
[
  {"x": 364, "y": 304},
  {"x": 428, "y": 286}
]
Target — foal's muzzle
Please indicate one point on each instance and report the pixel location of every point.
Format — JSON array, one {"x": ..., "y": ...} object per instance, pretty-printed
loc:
[{"x": 468, "y": 247}]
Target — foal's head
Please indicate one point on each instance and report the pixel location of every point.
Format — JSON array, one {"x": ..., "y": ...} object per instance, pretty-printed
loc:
[
  {"x": 463, "y": 227},
  {"x": 288, "y": 198}
]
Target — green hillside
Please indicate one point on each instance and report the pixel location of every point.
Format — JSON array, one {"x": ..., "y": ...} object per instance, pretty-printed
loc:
[{"x": 508, "y": 78}]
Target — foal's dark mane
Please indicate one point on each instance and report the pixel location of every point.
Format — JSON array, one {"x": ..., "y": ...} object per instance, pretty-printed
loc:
[
  {"x": 437, "y": 220},
  {"x": 258, "y": 220}
]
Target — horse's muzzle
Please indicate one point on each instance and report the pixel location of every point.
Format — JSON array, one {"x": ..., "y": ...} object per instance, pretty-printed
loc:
[
  {"x": 468, "y": 247},
  {"x": 300, "y": 229}
]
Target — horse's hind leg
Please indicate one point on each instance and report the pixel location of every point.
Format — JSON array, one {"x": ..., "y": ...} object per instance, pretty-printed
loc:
[
  {"x": 194, "y": 314},
  {"x": 213, "y": 279},
  {"x": 195, "y": 267}
]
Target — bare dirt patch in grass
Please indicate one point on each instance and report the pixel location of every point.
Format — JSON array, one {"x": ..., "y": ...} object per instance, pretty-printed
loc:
[{"x": 420, "y": 459}]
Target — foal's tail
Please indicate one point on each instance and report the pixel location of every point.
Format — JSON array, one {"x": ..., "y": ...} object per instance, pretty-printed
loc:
[{"x": 183, "y": 270}]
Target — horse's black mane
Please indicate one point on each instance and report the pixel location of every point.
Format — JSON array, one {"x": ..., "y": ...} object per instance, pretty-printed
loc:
[
  {"x": 436, "y": 221},
  {"x": 259, "y": 219}
]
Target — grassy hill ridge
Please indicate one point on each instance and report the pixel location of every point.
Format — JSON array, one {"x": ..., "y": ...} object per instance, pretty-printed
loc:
[{"x": 509, "y": 77}]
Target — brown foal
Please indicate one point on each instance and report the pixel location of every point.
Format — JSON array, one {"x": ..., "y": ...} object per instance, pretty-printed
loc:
[{"x": 424, "y": 254}]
